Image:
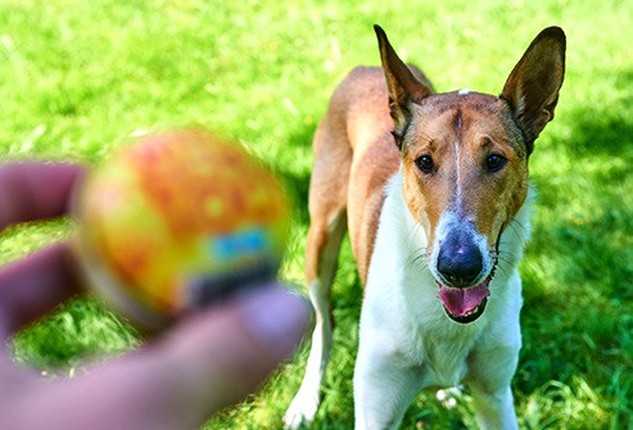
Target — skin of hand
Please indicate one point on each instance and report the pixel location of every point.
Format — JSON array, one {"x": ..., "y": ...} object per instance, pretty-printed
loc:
[{"x": 204, "y": 363}]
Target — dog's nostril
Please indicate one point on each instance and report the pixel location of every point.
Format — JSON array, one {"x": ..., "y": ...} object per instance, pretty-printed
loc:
[{"x": 460, "y": 265}]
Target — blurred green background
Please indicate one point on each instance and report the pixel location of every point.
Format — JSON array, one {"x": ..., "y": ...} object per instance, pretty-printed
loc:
[{"x": 78, "y": 78}]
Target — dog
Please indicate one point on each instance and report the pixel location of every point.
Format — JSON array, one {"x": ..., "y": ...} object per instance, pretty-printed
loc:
[{"x": 433, "y": 189}]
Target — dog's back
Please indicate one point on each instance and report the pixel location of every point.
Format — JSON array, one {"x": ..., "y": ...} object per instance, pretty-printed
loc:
[{"x": 355, "y": 135}]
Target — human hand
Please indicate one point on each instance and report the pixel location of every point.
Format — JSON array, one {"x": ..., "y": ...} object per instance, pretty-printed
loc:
[{"x": 204, "y": 363}]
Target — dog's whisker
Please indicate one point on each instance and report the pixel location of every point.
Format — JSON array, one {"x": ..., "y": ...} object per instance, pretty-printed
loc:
[
  {"x": 515, "y": 226},
  {"x": 416, "y": 259},
  {"x": 502, "y": 269},
  {"x": 509, "y": 257}
]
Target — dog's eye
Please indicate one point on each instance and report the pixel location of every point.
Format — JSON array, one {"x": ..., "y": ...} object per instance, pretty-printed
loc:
[
  {"x": 425, "y": 163},
  {"x": 495, "y": 162}
]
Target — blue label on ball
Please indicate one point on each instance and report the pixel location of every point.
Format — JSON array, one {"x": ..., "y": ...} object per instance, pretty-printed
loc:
[
  {"x": 245, "y": 259},
  {"x": 241, "y": 245}
]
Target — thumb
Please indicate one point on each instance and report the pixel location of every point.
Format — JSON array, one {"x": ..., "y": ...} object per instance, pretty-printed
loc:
[
  {"x": 217, "y": 358},
  {"x": 207, "y": 362}
]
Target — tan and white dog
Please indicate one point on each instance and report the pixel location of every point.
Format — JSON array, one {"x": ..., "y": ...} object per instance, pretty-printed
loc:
[{"x": 433, "y": 189}]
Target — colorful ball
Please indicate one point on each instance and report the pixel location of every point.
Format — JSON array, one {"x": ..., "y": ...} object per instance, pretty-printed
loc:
[{"x": 177, "y": 220}]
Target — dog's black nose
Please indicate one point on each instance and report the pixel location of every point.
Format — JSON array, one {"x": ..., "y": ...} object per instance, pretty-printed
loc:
[{"x": 460, "y": 261}]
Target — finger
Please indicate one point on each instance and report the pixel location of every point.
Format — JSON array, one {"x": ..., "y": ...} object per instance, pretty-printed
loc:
[
  {"x": 207, "y": 363},
  {"x": 218, "y": 364},
  {"x": 33, "y": 286},
  {"x": 35, "y": 190}
]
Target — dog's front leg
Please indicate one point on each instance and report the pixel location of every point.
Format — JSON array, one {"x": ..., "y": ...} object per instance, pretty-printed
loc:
[
  {"x": 492, "y": 395},
  {"x": 491, "y": 369},
  {"x": 494, "y": 410},
  {"x": 384, "y": 383},
  {"x": 493, "y": 362}
]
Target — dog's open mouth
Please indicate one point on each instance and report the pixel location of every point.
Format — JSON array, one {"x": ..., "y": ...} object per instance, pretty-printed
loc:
[{"x": 465, "y": 305}]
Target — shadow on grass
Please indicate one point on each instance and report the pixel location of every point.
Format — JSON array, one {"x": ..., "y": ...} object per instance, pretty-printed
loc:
[
  {"x": 578, "y": 314},
  {"x": 298, "y": 185},
  {"x": 605, "y": 127}
]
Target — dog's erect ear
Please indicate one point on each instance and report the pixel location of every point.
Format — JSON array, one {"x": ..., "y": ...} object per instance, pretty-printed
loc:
[
  {"x": 533, "y": 85},
  {"x": 402, "y": 85}
]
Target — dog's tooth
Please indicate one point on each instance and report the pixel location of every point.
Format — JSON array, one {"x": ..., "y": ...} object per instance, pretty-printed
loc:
[{"x": 472, "y": 311}]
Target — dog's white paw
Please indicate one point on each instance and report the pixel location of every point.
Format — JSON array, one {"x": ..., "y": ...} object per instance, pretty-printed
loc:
[{"x": 301, "y": 411}]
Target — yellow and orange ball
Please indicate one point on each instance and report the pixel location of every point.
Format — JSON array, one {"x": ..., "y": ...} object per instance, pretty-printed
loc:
[{"x": 177, "y": 219}]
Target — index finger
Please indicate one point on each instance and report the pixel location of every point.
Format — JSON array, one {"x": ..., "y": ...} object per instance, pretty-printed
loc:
[
  {"x": 35, "y": 190},
  {"x": 35, "y": 285},
  {"x": 39, "y": 282}
]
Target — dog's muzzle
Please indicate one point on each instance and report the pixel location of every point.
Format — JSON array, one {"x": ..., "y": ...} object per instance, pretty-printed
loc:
[{"x": 460, "y": 264}]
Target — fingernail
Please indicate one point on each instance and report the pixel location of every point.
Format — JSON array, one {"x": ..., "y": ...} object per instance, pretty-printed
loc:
[{"x": 275, "y": 315}]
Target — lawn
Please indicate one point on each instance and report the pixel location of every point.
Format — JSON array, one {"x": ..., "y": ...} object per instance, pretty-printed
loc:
[{"x": 77, "y": 78}]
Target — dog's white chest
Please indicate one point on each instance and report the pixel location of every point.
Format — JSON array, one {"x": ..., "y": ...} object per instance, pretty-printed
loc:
[
  {"x": 401, "y": 315},
  {"x": 443, "y": 353},
  {"x": 412, "y": 329}
]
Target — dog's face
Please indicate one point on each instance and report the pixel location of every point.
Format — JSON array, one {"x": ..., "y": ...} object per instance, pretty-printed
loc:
[
  {"x": 465, "y": 178},
  {"x": 465, "y": 164}
]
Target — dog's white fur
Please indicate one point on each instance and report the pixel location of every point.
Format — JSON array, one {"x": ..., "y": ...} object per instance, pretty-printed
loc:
[{"x": 406, "y": 341}]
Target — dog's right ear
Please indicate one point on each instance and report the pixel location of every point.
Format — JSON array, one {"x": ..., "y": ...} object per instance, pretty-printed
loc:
[{"x": 402, "y": 85}]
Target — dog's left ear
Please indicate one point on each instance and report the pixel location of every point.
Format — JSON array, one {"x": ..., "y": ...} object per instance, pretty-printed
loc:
[
  {"x": 402, "y": 85},
  {"x": 533, "y": 85}
]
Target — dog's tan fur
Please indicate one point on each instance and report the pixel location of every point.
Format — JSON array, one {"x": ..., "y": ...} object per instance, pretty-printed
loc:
[{"x": 369, "y": 155}]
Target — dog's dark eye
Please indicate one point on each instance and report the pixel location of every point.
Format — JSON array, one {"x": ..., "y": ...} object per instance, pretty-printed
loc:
[
  {"x": 495, "y": 162},
  {"x": 425, "y": 163}
]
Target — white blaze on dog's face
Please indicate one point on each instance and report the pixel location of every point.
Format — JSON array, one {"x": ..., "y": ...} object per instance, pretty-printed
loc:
[{"x": 465, "y": 163}]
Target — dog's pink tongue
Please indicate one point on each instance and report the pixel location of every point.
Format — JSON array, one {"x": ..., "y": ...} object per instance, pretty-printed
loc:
[{"x": 460, "y": 301}]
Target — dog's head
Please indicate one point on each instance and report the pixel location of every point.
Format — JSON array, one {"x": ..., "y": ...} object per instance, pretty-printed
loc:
[{"x": 465, "y": 163}]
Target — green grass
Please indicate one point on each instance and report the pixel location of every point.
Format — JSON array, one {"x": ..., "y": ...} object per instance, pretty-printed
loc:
[{"x": 77, "y": 78}]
